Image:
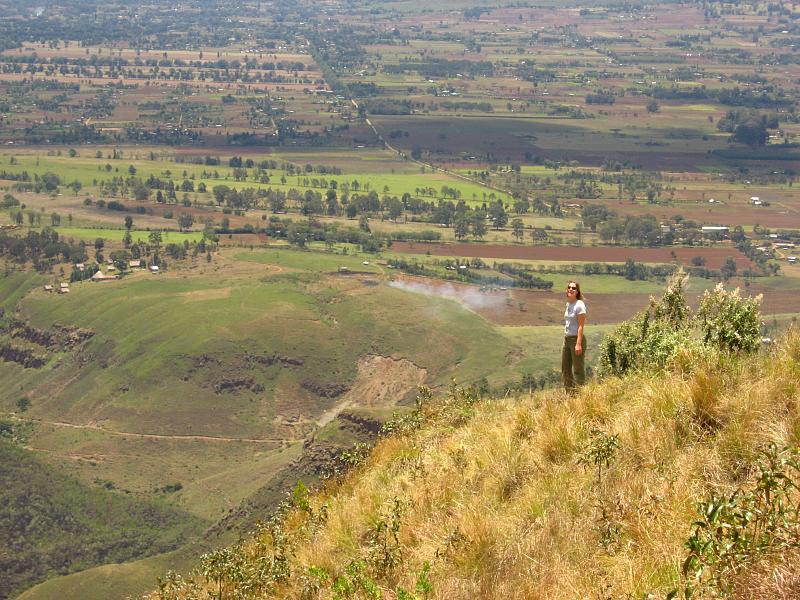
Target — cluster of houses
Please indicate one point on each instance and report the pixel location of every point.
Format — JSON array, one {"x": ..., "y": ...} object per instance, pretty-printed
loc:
[
  {"x": 63, "y": 288},
  {"x": 109, "y": 275}
]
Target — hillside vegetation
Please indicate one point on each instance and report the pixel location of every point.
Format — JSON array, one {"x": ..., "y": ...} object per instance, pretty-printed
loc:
[
  {"x": 676, "y": 478},
  {"x": 52, "y": 524}
]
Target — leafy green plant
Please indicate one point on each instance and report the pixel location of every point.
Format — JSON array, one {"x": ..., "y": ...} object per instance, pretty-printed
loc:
[
  {"x": 408, "y": 423},
  {"x": 355, "y": 580},
  {"x": 729, "y": 321},
  {"x": 300, "y": 497},
  {"x": 653, "y": 337},
  {"x": 608, "y": 525},
  {"x": 424, "y": 585},
  {"x": 599, "y": 451},
  {"x": 385, "y": 553},
  {"x": 355, "y": 456},
  {"x": 662, "y": 335},
  {"x": 735, "y": 530},
  {"x": 217, "y": 567},
  {"x": 313, "y": 582},
  {"x": 173, "y": 586}
]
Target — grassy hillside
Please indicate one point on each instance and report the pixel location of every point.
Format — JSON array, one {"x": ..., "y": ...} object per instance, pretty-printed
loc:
[
  {"x": 52, "y": 524},
  {"x": 252, "y": 351},
  {"x": 135, "y": 578},
  {"x": 597, "y": 495}
]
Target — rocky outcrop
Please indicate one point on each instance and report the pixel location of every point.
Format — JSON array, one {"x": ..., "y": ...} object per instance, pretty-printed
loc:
[
  {"x": 326, "y": 390},
  {"x": 58, "y": 337},
  {"x": 272, "y": 359},
  {"x": 360, "y": 423},
  {"x": 237, "y": 384},
  {"x": 22, "y": 356}
]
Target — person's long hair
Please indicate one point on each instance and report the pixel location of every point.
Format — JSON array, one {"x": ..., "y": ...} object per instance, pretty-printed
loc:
[{"x": 578, "y": 295}]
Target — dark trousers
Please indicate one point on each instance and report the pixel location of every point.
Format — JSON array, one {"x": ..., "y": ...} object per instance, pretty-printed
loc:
[{"x": 572, "y": 371}]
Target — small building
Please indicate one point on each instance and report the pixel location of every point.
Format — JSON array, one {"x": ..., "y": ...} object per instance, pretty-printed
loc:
[
  {"x": 715, "y": 229},
  {"x": 134, "y": 264},
  {"x": 63, "y": 288},
  {"x": 99, "y": 276},
  {"x": 80, "y": 266},
  {"x": 111, "y": 268},
  {"x": 154, "y": 268},
  {"x": 48, "y": 288},
  {"x": 792, "y": 259}
]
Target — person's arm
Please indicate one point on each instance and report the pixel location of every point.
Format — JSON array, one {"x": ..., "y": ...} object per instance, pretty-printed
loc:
[{"x": 579, "y": 343}]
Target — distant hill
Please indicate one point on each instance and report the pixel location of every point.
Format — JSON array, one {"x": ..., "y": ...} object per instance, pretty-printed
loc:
[{"x": 52, "y": 524}]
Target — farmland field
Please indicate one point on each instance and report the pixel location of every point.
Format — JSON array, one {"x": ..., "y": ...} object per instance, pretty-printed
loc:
[{"x": 714, "y": 257}]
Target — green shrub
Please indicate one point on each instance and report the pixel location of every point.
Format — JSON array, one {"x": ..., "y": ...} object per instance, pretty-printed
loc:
[
  {"x": 653, "y": 337},
  {"x": 728, "y": 321},
  {"x": 666, "y": 331}
]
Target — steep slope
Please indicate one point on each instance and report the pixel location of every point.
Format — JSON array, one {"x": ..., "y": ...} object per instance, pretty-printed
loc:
[
  {"x": 51, "y": 524},
  {"x": 132, "y": 579},
  {"x": 552, "y": 496}
]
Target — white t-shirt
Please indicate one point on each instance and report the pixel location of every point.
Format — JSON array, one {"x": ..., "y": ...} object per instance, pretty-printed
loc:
[{"x": 571, "y": 316}]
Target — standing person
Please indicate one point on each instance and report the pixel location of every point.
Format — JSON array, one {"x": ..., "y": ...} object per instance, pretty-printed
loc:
[{"x": 574, "y": 350}]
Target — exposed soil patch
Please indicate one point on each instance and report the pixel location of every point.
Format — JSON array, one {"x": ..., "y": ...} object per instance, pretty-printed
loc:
[
  {"x": 547, "y": 308},
  {"x": 715, "y": 257},
  {"x": 244, "y": 239},
  {"x": 381, "y": 381}
]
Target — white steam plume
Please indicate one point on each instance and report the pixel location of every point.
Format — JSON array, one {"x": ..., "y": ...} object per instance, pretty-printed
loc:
[{"x": 468, "y": 296}]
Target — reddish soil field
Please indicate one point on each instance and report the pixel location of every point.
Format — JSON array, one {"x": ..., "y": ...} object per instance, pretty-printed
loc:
[
  {"x": 243, "y": 239},
  {"x": 715, "y": 257}
]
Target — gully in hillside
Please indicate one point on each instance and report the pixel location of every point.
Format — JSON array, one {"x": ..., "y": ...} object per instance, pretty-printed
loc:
[{"x": 574, "y": 350}]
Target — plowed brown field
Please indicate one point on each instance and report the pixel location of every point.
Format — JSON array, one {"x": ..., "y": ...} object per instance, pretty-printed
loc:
[{"x": 715, "y": 257}]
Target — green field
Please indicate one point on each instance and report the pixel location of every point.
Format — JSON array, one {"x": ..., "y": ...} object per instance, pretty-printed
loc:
[
  {"x": 385, "y": 173},
  {"x": 116, "y": 235}
]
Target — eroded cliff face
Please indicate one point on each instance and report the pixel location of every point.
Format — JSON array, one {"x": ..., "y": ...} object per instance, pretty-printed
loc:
[
  {"x": 381, "y": 382},
  {"x": 57, "y": 337},
  {"x": 31, "y": 347}
]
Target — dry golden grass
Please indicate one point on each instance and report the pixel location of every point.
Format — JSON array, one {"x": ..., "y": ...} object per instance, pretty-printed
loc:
[{"x": 507, "y": 501}]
